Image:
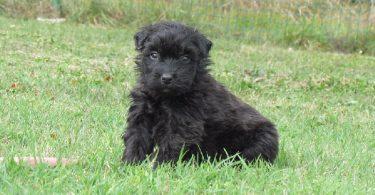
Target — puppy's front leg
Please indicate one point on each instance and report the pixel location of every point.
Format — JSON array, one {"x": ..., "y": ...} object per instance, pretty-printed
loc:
[
  {"x": 137, "y": 138},
  {"x": 169, "y": 149},
  {"x": 138, "y": 144},
  {"x": 180, "y": 143}
]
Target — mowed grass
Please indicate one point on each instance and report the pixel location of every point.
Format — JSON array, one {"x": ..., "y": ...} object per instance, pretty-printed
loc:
[{"x": 64, "y": 92}]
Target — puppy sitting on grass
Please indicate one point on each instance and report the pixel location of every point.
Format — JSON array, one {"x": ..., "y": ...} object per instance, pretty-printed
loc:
[{"x": 178, "y": 106}]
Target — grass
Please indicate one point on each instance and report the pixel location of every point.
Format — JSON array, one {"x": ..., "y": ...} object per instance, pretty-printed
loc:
[
  {"x": 328, "y": 25},
  {"x": 64, "y": 88}
]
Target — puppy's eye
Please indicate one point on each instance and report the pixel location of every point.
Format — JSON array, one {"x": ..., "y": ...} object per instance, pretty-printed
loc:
[
  {"x": 154, "y": 55},
  {"x": 185, "y": 58}
]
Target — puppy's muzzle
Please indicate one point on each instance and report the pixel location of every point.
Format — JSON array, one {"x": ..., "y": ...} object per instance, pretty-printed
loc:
[{"x": 166, "y": 79}]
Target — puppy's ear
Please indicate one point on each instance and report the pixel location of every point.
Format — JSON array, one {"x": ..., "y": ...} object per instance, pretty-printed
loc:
[
  {"x": 208, "y": 45},
  {"x": 140, "y": 39},
  {"x": 205, "y": 45}
]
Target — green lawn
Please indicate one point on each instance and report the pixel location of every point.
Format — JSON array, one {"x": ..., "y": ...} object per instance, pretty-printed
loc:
[{"x": 64, "y": 92}]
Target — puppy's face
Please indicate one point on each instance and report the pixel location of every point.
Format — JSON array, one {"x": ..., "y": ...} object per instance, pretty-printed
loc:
[{"x": 171, "y": 57}]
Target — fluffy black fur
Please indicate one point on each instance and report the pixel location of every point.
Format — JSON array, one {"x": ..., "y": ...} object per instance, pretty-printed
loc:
[{"x": 177, "y": 105}]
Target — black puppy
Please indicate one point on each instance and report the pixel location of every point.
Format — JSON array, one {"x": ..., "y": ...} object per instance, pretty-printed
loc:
[{"x": 177, "y": 105}]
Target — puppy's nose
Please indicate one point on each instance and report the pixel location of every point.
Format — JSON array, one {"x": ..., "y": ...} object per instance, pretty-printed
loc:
[{"x": 166, "y": 79}]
